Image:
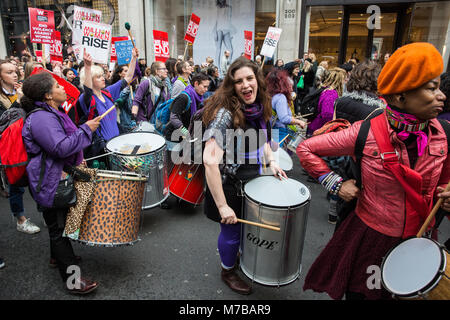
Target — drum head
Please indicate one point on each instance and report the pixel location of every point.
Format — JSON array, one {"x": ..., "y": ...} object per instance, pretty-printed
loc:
[
  {"x": 273, "y": 192},
  {"x": 126, "y": 143},
  {"x": 283, "y": 159},
  {"x": 411, "y": 266}
]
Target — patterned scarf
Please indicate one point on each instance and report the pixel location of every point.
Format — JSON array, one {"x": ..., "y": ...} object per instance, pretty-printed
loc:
[{"x": 407, "y": 125}]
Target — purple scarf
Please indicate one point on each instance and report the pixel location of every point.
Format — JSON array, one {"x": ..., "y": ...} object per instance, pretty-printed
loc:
[
  {"x": 196, "y": 99},
  {"x": 68, "y": 126}
]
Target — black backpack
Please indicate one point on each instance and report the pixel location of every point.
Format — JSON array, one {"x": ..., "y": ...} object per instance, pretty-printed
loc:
[
  {"x": 352, "y": 170},
  {"x": 310, "y": 103}
]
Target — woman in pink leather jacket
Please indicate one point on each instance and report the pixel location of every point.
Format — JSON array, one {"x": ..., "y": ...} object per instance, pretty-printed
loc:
[{"x": 383, "y": 216}]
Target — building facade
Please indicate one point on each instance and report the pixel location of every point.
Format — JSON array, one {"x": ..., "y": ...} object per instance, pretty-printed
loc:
[{"x": 335, "y": 30}]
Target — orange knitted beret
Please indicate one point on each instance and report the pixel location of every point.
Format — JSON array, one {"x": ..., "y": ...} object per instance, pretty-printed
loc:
[{"x": 410, "y": 67}]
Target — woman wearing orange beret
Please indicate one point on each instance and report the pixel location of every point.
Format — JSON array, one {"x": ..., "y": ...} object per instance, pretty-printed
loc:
[{"x": 388, "y": 209}]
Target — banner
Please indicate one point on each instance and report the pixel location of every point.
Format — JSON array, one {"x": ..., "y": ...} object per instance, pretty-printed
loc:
[
  {"x": 80, "y": 15},
  {"x": 72, "y": 92},
  {"x": 42, "y": 25},
  {"x": 248, "y": 52},
  {"x": 124, "y": 52},
  {"x": 56, "y": 53},
  {"x": 161, "y": 45},
  {"x": 96, "y": 40},
  {"x": 271, "y": 42},
  {"x": 113, "y": 47},
  {"x": 192, "y": 29}
]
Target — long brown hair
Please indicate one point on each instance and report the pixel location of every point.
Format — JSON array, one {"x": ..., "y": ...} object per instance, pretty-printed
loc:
[{"x": 226, "y": 96}]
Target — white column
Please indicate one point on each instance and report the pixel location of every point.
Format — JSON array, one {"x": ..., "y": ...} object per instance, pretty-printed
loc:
[
  {"x": 3, "y": 51},
  {"x": 289, "y": 16},
  {"x": 132, "y": 11}
]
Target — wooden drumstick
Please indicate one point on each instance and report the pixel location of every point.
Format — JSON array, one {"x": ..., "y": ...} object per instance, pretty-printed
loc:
[
  {"x": 279, "y": 144},
  {"x": 106, "y": 113},
  {"x": 128, "y": 27},
  {"x": 265, "y": 226},
  {"x": 432, "y": 214}
]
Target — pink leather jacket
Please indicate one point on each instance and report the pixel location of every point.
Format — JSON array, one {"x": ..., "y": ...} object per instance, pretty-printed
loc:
[{"x": 381, "y": 204}]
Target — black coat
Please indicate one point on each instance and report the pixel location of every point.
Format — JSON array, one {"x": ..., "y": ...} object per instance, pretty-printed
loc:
[{"x": 355, "y": 106}]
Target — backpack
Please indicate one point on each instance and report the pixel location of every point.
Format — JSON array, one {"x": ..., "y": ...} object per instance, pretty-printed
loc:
[
  {"x": 92, "y": 108},
  {"x": 310, "y": 103},
  {"x": 13, "y": 155},
  {"x": 161, "y": 115}
]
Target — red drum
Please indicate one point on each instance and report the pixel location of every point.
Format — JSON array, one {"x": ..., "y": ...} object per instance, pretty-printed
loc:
[{"x": 187, "y": 182}]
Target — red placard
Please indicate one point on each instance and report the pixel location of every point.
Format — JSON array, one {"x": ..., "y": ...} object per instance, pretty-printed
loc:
[
  {"x": 161, "y": 45},
  {"x": 248, "y": 35},
  {"x": 113, "y": 47},
  {"x": 56, "y": 53},
  {"x": 42, "y": 25},
  {"x": 72, "y": 92},
  {"x": 38, "y": 54},
  {"x": 192, "y": 29}
]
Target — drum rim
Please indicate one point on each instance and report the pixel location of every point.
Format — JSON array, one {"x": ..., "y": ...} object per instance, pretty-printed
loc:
[
  {"x": 277, "y": 207},
  {"x": 431, "y": 285},
  {"x": 274, "y": 206},
  {"x": 137, "y": 155}
]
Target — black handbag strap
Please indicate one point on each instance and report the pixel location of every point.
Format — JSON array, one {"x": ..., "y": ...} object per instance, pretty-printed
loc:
[{"x": 359, "y": 147}]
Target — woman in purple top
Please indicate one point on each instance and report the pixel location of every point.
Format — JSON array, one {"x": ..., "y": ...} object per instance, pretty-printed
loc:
[
  {"x": 93, "y": 79},
  {"x": 334, "y": 87},
  {"x": 51, "y": 133}
]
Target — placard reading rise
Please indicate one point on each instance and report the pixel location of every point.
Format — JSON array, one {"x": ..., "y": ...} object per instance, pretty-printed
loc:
[{"x": 96, "y": 39}]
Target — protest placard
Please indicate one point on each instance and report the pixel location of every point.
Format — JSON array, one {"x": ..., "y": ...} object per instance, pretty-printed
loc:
[
  {"x": 161, "y": 45},
  {"x": 271, "y": 42},
  {"x": 113, "y": 47},
  {"x": 71, "y": 91},
  {"x": 192, "y": 30},
  {"x": 80, "y": 15},
  {"x": 55, "y": 49},
  {"x": 124, "y": 52},
  {"x": 248, "y": 52},
  {"x": 42, "y": 25},
  {"x": 96, "y": 40}
]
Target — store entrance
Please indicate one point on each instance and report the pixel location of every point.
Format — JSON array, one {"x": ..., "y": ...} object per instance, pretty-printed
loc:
[{"x": 361, "y": 40}]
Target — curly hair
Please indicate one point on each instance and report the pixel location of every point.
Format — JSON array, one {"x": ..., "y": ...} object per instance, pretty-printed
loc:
[
  {"x": 445, "y": 88},
  {"x": 278, "y": 82},
  {"x": 335, "y": 80},
  {"x": 364, "y": 77},
  {"x": 226, "y": 96}
]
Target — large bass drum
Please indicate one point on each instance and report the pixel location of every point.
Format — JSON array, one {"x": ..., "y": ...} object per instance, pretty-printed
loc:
[
  {"x": 269, "y": 257},
  {"x": 142, "y": 153}
]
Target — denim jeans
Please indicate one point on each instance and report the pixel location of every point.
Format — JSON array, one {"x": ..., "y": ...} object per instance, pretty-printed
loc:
[{"x": 16, "y": 201}]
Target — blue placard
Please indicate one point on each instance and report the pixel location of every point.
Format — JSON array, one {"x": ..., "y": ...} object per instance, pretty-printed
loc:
[{"x": 124, "y": 52}]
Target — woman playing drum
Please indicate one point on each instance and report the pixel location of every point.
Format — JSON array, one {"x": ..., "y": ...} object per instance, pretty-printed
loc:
[
  {"x": 52, "y": 140},
  {"x": 388, "y": 210},
  {"x": 239, "y": 109}
]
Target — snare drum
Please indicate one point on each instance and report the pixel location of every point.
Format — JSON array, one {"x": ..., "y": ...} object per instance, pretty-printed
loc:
[
  {"x": 143, "y": 153},
  {"x": 187, "y": 182},
  {"x": 269, "y": 257},
  {"x": 113, "y": 217},
  {"x": 418, "y": 268}
]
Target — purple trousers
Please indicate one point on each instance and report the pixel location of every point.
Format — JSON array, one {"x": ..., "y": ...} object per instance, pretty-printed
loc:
[{"x": 228, "y": 244}]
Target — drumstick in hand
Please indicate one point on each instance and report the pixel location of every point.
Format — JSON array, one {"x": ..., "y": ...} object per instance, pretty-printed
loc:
[
  {"x": 432, "y": 214},
  {"x": 265, "y": 226}
]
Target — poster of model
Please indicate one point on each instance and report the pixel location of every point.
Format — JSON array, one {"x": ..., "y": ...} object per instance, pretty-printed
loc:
[{"x": 222, "y": 26}]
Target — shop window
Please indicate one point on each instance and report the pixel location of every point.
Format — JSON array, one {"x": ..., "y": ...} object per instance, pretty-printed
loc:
[{"x": 325, "y": 32}]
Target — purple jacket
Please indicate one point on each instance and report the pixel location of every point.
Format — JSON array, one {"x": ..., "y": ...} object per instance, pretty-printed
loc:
[
  {"x": 43, "y": 131},
  {"x": 325, "y": 110}
]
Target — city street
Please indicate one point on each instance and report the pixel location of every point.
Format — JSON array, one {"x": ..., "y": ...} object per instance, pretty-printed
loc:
[{"x": 176, "y": 259}]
